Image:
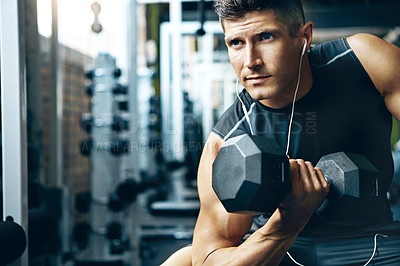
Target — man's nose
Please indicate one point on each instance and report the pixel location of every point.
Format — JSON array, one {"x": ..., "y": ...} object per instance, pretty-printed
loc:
[{"x": 253, "y": 57}]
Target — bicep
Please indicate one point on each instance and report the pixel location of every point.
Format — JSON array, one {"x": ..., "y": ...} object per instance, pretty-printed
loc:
[
  {"x": 381, "y": 60},
  {"x": 215, "y": 228}
]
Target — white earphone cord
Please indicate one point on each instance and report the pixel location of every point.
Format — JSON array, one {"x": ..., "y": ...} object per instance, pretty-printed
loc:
[
  {"x": 244, "y": 108},
  {"x": 370, "y": 259},
  {"x": 294, "y": 101}
]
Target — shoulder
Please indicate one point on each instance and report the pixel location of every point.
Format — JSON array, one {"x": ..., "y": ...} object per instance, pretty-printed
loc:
[
  {"x": 323, "y": 54},
  {"x": 365, "y": 41},
  {"x": 213, "y": 145},
  {"x": 380, "y": 59}
]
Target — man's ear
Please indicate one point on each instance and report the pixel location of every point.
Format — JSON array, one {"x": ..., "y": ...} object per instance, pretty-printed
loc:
[{"x": 307, "y": 33}]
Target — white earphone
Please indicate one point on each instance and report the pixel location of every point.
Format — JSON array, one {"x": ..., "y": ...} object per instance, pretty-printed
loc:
[
  {"x": 295, "y": 95},
  {"x": 244, "y": 108},
  {"x": 304, "y": 47}
]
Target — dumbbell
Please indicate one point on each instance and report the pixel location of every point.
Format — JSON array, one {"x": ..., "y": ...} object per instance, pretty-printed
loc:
[
  {"x": 251, "y": 174},
  {"x": 120, "y": 123},
  {"x": 123, "y": 105},
  {"x": 119, "y": 246},
  {"x": 354, "y": 189},
  {"x": 125, "y": 193},
  {"x": 81, "y": 232},
  {"x": 91, "y": 73},
  {"x": 87, "y": 121},
  {"x": 117, "y": 72},
  {"x": 120, "y": 89},
  {"x": 119, "y": 147},
  {"x": 89, "y": 89},
  {"x": 13, "y": 241},
  {"x": 113, "y": 231},
  {"x": 128, "y": 190},
  {"x": 84, "y": 199}
]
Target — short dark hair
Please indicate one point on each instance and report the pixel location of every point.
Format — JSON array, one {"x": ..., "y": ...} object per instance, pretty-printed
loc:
[{"x": 289, "y": 12}]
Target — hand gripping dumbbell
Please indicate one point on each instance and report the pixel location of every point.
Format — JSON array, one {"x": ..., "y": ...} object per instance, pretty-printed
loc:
[{"x": 251, "y": 174}]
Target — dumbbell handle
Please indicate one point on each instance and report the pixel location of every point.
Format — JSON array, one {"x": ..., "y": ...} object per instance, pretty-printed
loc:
[{"x": 353, "y": 174}]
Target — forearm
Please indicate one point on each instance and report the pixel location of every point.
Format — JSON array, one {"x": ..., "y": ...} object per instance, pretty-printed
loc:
[
  {"x": 257, "y": 250},
  {"x": 266, "y": 246}
]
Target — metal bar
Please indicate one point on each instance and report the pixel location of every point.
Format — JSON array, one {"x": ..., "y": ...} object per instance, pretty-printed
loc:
[
  {"x": 165, "y": 80},
  {"x": 175, "y": 11},
  {"x": 13, "y": 112},
  {"x": 133, "y": 84},
  {"x": 56, "y": 104},
  {"x": 133, "y": 157}
]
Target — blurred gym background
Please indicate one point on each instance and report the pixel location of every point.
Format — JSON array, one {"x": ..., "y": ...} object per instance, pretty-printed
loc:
[{"x": 105, "y": 109}]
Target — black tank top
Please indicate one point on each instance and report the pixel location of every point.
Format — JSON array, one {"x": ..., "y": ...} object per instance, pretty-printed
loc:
[{"x": 343, "y": 111}]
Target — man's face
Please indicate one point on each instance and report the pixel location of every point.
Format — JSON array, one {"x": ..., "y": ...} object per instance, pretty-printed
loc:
[{"x": 264, "y": 56}]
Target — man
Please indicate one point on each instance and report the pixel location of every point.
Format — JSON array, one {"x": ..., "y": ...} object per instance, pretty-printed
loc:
[{"x": 348, "y": 89}]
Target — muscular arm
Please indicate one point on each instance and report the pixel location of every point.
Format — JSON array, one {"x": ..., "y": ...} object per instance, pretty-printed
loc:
[
  {"x": 381, "y": 60},
  {"x": 218, "y": 233}
]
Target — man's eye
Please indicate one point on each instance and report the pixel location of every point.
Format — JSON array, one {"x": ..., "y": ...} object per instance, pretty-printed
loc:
[
  {"x": 235, "y": 42},
  {"x": 266, "y": 36}
]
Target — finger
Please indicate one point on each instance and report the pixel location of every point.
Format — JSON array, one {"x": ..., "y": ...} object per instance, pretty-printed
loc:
[
  {"x": 294, "y": 172},
  {"x": 313, "y": 175},
  {"x": 304, "y": 173},
  {"x": 322, "y": 179}
]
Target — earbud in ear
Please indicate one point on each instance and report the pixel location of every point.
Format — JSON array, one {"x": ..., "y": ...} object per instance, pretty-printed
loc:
[{"x": 304, "y": 47}]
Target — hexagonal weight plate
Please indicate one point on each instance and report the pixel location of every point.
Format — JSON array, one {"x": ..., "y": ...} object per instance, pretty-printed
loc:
[
  {"x": 353, "y": 196},
  {"x": 251, "y": 174}
]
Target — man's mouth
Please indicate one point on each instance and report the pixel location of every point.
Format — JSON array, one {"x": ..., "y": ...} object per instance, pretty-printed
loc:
[{"x": 255, "y": 80}]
